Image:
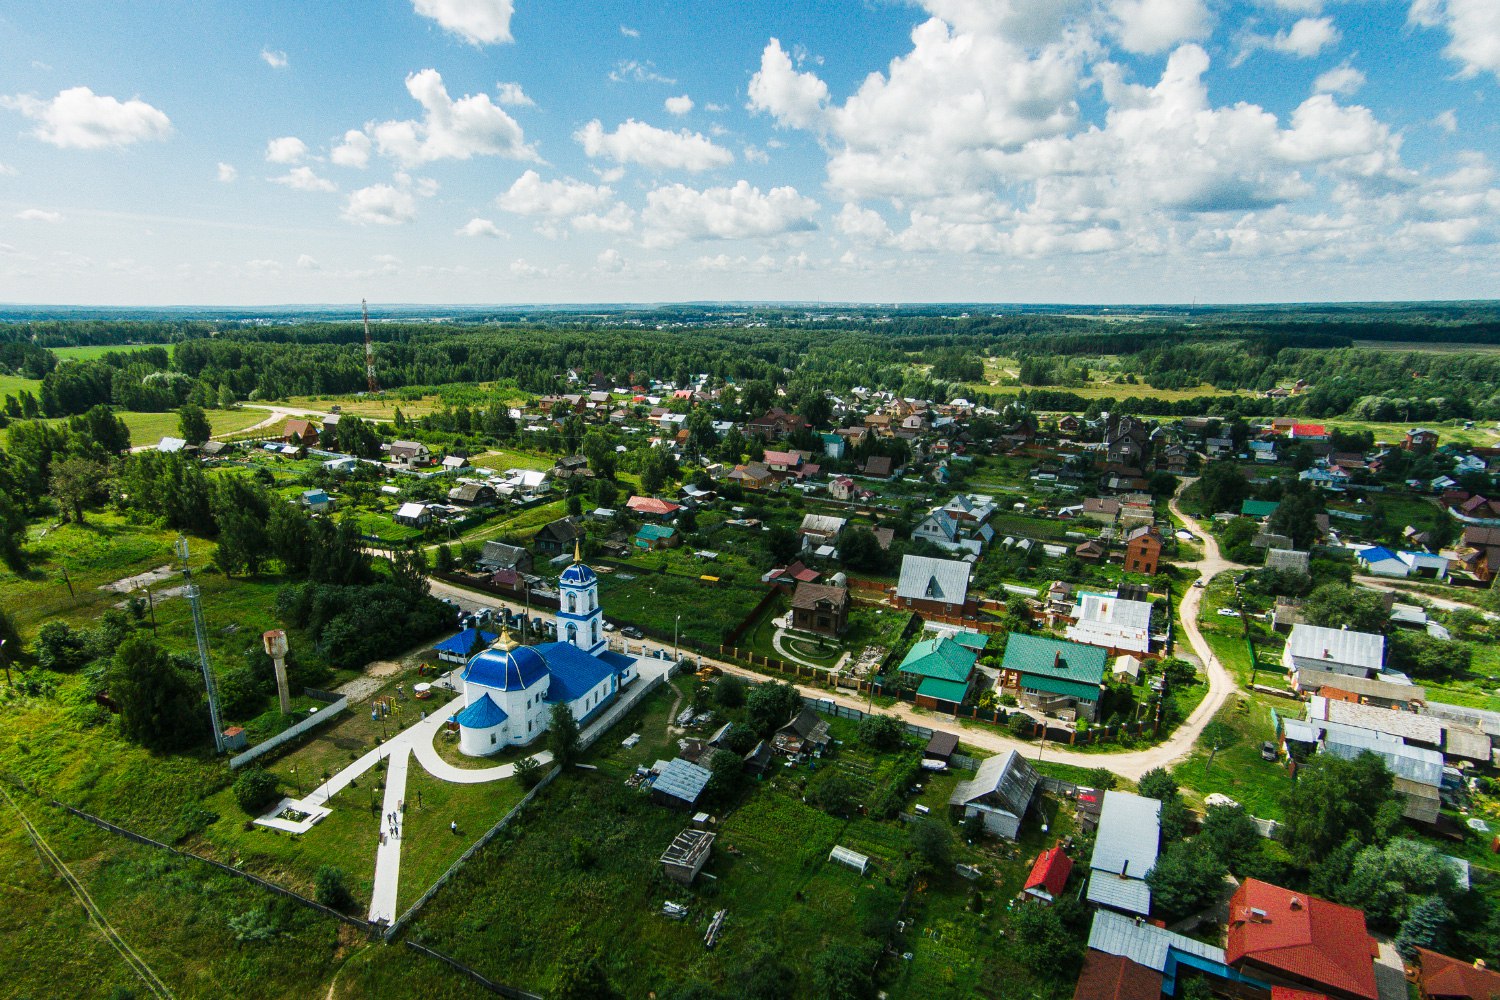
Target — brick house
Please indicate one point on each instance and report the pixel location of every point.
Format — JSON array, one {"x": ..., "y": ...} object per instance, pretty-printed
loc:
[
  {"x": 1143, "y": 550},
  {"x": 821, "y": 609}
]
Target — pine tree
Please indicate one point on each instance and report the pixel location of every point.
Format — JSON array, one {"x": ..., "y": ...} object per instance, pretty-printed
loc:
[{"x": 1426, "y": 926}]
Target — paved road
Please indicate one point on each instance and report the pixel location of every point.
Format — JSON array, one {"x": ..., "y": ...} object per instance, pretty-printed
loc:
[{"x": 1131, "y": 764}]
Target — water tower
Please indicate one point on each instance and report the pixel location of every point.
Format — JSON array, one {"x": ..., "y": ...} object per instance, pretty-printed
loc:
[{"x": 275, "y": 641}]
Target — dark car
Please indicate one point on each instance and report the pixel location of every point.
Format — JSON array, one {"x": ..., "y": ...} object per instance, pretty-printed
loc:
[{"x": 631, "y": 632}]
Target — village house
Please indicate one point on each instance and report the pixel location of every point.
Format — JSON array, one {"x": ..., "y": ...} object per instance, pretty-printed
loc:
[
  {"x": 1048, "y": 876},
  {"x": 501, "y": 555},
  {"x": 1143, "y": 550},
  {"x": 1126, "y": 844},
  {"x": 1440, "y": 977},
  {"x": 1000, "y": 793},
  {"x": 1340, "y": 651},
  {"x": 1101, "y": 509},
  {"x": 933, "y": 586},
  {"x": 1112, "y": 623},
  {"x": 410, "y": 454},
  {"x": 774, "y": 423},
  {"x": 820, "y": 529},
  {"x": 805, "y": 732},
  {"x": 842, "y": 488},
  {"x": 302, "y": 433},
  {"x": 651, "y": 537},
  {"x": 1420, "y": 440},
  {"x": 944, "y": 670},
  {"x": 754, "y": 476},
  {"x": 1297, "y": 940},
  {"x": 821, "y": 609},
  {"x": 472, "y": 494},
  {"x": 413, "y": 515},
  {"x": 1053, "y": 675},
  {"x": 652, "y": 507},
  {"x": 557, "y": 537}
]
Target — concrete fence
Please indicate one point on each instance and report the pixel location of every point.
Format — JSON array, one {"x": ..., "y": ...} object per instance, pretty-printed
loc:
[{"x": 332, "y": 711}]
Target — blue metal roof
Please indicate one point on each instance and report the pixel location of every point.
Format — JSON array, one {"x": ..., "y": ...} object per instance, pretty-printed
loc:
[
  {"x": 481, "y": 714},
  {"x": 574, "y": 672},
  {"x": 618, "y": 661},
  {"x": 461, "y": 643},
  {"x": 506, "y": 670},
  {"x": 577, "y": 574}
]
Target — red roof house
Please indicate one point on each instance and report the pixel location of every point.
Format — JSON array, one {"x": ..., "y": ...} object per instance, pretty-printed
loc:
[
  {"x": 1293, "y": 939},
  {"x": 1309, "y": 431},
  {"x": 1049, "y": 873},
  {"x": 1287, "y": 993},
  {"x": 1444, "y": 978},
  {"x": 652, "y": 506}
]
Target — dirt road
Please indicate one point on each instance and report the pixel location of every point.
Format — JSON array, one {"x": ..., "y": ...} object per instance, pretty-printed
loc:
[{"x": 1130, "y": 764}]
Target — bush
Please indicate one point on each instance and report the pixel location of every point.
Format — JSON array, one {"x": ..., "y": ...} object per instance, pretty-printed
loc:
[
  {"x": 255, "y": 789},
  {"x": 331, "y": 890},
  {"x": 729, "y": 691},
  {"x": 881, "y": 732},
  {"x": 1020, "y": 725},
  {"x": 529, "y": 772}
]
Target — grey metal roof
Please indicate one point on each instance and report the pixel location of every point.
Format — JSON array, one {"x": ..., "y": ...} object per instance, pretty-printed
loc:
[
  {"x": 1311, "y": 679},
  {"x": 1129, "y": 894},
  {"x": 926, "y": 579},
  {"x": 1310, "y": 643},
  {"x": 1485, "y": 720},
  {"x": 1128, "y": 836},
  {"x": 1469, "y": 744},
  {"x": 1287, "y": 559},
  {"x": 1114, "y": 610},
  {"x": 1008, "y": 779},
  {"x": 1145, "y": 944},
  {"x": 682, "y": 780},
  {"x": 1425, "y": 767},
  {"x": 1407, "y": 725}
]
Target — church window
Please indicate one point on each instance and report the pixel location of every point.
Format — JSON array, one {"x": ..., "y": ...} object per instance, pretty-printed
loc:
[
  {"x": 492, "y": 739},
  {"x": 572, "y": 633},
  {"x": 572, "y": 602},
  {"x": 596, "y": 630}
]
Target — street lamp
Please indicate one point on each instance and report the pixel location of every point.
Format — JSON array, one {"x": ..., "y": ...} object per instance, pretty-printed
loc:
[
  {"x": 298, "y": 779},
  {"x": 5, "y": 661},
  {"x": 676, "y": 628}
]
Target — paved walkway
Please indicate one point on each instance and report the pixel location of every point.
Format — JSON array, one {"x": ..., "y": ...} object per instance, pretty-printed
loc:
[{"x": 392, "y": 827}]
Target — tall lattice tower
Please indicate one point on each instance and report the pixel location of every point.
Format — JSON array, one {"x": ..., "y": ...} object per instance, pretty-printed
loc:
[
  {"x": 191, "y": 592},
  {"x": 370, "y": 383}
]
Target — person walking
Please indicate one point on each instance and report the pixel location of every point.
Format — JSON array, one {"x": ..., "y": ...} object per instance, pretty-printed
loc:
[{"x": 454, "y": 827}]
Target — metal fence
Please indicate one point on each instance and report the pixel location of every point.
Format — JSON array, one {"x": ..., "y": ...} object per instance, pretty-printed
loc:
[
  {"x": 292, "y": 732},
  {"x": 281, "y": 890},
  {"x": 482, "y": 980}
]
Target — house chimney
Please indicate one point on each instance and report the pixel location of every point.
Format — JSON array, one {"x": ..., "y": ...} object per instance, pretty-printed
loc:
[
  {"x": 1295, "y": 903},
  {"x": 1057, "y": 660},
  {"x": 1257, "y": 915}
]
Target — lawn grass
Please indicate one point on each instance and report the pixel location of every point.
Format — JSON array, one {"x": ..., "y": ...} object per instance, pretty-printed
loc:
[
  {"x": 1238, "y": 770},
  {"x": 91, "y": 351},
  {"x": 653, "y": 601},
  {"x": 14, "y": 385},
  {"x": 510, "y": 458},
  {"x": 429, "y": 846}
]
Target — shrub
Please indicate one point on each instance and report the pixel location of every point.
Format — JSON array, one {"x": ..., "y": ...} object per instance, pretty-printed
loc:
[
  {"x": 1020, "y": 725},
  {"x": 330, "y": 888},
  {"x": 255, "y": 789},
  {"x": 529, "y": 772}
]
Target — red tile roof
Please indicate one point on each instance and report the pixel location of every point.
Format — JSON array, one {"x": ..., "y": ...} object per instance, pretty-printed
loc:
[
  {"x": 1309, "y": 430},
  {"x": 1114, "y": 977},
  {"x": 1311, "y": 939},
  {"x": 652, "y": 505},
  {"x": 1050, "y": 871},
  {"x": 1443, "y": 978},
  {"x": 1286, "y": 993}
]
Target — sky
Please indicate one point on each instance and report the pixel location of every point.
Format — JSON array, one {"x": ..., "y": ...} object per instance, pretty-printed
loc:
[{"x": 517, "y": 151}]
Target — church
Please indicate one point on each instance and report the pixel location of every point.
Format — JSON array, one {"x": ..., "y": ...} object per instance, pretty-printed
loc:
[{"x": 509, "y": 689}]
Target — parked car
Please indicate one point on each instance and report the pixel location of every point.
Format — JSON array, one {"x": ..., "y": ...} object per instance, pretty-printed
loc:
[
  {"x": 1268, "y": 750},
  {"x": 1199, "y": 583},
  {"x": 631, "y": 632},
  {"x": 1229, "y": 612}
]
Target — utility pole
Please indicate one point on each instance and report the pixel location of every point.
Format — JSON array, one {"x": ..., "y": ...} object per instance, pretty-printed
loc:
[
  {"x": 5, "y": 660},
  {"x": 194, "y": 595}
]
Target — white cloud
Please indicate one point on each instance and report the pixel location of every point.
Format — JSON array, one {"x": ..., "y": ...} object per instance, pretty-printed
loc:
[
  {"x": 39, "y": 215},
  {"x": 862, "y": 224},
  {"x": 78, "y": 118},
  {"x": 618, "y": 220},
  {"x": 679, "y": 105},
  {"x": 659, "y": 149},
  {"x": 471, "y": 126},
  {"x": 715, "y": 108},
  {"x": 1297, "y": 6},
  {"x": 353, "y": 151},
  {"x": 629, "y": 32},
  {"x": 380, "y": 204},
  {"x": 676, "y": 213},
  {"x": 530, "y": 195},
  {"x": 274, "y": 58},
  {"x": 478, "y": 22},
  {"x": 479, "y": 227},
  {"x": 1307, "y": 37},
  {"x": 637, "y": 71},
  {"x": 512, "y": 94},
  {"x": 287, "y": 149},
  {"x": 1447, "y": 121},
  {"x": 1473, "y": 28},
  {"x": 795, "y": 100},
  {"x": 611, "y": 261},
  {"x": 1339, "y": 80},
  {"x": 6, "y": 170},
  {"x": 308, "y": 263},
  {"x": 303, "y": 179},
  {"x": 1149, "y": 26},
  {"x": 754, "y": 154},
  {"x": 227, "y": 173}
]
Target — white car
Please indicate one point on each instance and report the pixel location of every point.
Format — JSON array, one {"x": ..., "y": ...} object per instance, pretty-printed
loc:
[{"x": 1229, "y": 613}]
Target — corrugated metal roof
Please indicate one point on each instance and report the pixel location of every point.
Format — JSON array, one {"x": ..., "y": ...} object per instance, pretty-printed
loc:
[
  {"x": 1113, "y": 610},
  {"x": 1425, "y": 767},
  {"x": 1108, "y": 889},
  {"x": 682, "y": 780},
  {"x": 941, "y": 690},
  {"x": 942, "y": 658},
  {"x": 1143, "y": 943},
  {"x": 1071, "y": 661},
  {"x": 1311, "y": 679},
  {"x": 1407, "y": 725},
  {"x": 1311, "y": 642},
  {"x": 1128, "y": 836},
  {"x": 1009, "y": 776},
  {"x": 926, "y": 579}
]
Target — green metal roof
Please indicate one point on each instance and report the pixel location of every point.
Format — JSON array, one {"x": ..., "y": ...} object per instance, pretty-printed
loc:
[
  {"x": 1052, "y": 685},
  {"x": 1037, "y": 656},
  {"x": 972, "y": 640},
  {"x": 1258, "y": 508},
  {"x": 936, "y": 687},
  {"x": 940, "y": 658},
  {"x": 655, "y": 531}
]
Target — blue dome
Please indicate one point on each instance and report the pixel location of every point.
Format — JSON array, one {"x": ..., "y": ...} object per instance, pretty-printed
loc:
[
  {"x": 512, "y": 669},
  {"x": 577, "y": 575}
]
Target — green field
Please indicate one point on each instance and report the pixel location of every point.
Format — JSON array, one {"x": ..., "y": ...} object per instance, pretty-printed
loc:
[
  {"x": 509, "y": 458},
  {"x": 14, "y": 385},
  {"x": 99, "y": 350}
]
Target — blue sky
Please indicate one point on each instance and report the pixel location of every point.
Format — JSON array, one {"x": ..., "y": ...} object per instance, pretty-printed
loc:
[{"x": 506, "y": 151}]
